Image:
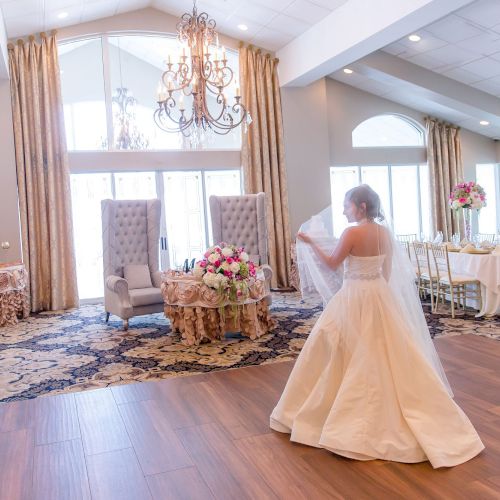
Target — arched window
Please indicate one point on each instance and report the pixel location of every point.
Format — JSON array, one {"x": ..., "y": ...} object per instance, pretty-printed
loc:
[{"x": 388, "y": 131}]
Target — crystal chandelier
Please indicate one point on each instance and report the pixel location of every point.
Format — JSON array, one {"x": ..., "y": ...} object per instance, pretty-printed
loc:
[{"x": 200, "y": 75}]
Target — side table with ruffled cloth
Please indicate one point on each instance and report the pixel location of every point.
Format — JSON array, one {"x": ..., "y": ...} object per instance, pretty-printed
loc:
[
  {"x": 199, "y": 313},
  {"x": 14, "y": 299}
]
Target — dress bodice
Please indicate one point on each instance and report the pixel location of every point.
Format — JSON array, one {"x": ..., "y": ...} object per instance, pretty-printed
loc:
[{"x": 363, "y": 268}]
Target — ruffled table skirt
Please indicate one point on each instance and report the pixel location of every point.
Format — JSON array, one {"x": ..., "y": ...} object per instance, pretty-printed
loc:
[
  {"x": 198, "y": 324},
  {"x": 14, "y": 304}
]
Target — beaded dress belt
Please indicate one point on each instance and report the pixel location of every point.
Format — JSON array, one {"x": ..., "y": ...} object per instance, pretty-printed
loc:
[{"x": 360, "y": 276}]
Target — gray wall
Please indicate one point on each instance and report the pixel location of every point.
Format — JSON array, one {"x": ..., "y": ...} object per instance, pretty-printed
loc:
[
  {"x": 318, "y": 122},
  {"x": 9, "y": 213}
]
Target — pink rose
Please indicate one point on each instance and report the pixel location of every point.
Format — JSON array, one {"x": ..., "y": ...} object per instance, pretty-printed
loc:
[
  {"x": 203, "y": 263},
  {"x": 217, "y": 263},
  {"x": 229, "y": 260},
  {"x": 462, "y": 200}
]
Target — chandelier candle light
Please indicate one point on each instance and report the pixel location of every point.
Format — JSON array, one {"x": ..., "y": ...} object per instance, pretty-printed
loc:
[{"x": 190, "y": 78}]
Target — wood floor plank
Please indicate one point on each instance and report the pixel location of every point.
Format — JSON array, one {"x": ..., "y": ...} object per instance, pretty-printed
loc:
[
  {"x": 226, "y": 471},
  {"x": 59, "y": 472},
  {"x": 282, "y": 466},
  {"x": 17, "y": 415},
  {"x": 181, "y": 484},
  {"x": 56, "y": 419},
  {"x": 156, "y": 445},
  {"x": 16, "y": 464},
  {"x": 116, "y": 475},
  {"x": 101, "y": 425}
]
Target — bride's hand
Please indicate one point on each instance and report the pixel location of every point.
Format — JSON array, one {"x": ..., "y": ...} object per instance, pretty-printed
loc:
[{"x": 304, "y": 237}]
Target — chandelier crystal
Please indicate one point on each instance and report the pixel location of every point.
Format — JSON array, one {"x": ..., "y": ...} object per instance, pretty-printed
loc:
[{"x": 190, "y": 81}]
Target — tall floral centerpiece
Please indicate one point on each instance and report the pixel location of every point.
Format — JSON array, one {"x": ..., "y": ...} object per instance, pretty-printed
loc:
[
  {"x": 227, "y": 269},
  {"x": 467, "y": 196}
]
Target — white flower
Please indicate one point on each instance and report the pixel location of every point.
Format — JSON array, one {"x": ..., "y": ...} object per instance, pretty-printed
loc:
[
  {"x": 225, "y": 266},
  {"x": 234, "y": 267},
  {"x": 244, "y": 256},
  {"x": 213, "y": 257},
  {"x": 227, "y": 252},
  {"x": 198, "y": 271}
]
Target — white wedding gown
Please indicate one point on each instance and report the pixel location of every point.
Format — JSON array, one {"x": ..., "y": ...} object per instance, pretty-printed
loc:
[{"x": 362, "y": 388}]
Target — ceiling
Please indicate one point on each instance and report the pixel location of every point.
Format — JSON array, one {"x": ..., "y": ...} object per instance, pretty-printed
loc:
[
  {"x": 463, "y": 46},
  {"x": 271, "y": 24},
  {"x": 453, "y": 72}
]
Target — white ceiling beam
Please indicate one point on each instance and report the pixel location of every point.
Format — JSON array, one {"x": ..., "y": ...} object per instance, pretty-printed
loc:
[
  {"x": 354, "y": 30},
  {"x": 4, "y": 56},
  {"x": 428, "y": 86}
]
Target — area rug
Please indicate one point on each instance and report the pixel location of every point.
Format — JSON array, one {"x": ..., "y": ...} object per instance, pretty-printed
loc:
[{"x": 51, "y": 353}]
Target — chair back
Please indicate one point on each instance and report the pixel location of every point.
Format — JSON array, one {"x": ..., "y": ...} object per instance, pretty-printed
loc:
[
  {"x": 408, "y": 238},
  {"x": 130, "y": 234},
  {"x": 241, "y": 220},
  {"x": 441, "y": 262},
  {"x": 486, "y": 237},
  {"x": 421, "y": 254}
]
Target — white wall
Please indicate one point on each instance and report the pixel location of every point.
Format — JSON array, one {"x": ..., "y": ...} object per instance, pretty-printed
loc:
[{"x": 318, "y": 121}]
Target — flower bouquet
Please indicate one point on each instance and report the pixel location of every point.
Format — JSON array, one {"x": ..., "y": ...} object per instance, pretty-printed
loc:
[
  {"x": 227, "y": 269},
  {"x": 466, "y": 196}
]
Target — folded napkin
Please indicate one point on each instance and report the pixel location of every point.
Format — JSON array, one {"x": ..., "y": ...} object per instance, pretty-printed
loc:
[
  {"x": 469, "y": 248},
  {"x": 486, "y": 244},
  {"x": 464, "y": 242},
  {"x": 450, "y": 246}
]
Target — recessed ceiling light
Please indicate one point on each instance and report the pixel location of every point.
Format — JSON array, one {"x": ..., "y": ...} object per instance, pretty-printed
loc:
[
  {"x": 484, "y": 122},
  {"x": 347, "y": 71},
  {"x": 414, "y": 38},
  {"x": 62, "y": 15},
  {"x": 242, "y": 27}
]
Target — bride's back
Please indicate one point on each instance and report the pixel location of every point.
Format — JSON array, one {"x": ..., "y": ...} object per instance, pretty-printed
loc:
[{"x": 370, "y": 239}]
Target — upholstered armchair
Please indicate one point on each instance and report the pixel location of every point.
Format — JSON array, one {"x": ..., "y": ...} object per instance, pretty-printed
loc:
[
  {"x": 130, "y": 242},
  {"x": 241, "y": 220}
]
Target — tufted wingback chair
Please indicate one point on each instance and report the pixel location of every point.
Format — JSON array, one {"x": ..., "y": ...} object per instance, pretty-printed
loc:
[
  {"x": 241, "y": 220},
  {"x": 130, "y": 235}
]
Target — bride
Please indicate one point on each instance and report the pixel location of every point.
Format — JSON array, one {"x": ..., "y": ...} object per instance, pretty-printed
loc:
[{"x": 368, "y": 382}]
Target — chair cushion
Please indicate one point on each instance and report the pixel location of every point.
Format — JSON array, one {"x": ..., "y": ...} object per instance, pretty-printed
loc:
[
  {"x": 137, "y": 276},
  {"x": 145, "y": 296}
]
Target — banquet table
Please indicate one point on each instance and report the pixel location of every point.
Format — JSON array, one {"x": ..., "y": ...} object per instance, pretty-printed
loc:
[{"x": 486, "y": 269}]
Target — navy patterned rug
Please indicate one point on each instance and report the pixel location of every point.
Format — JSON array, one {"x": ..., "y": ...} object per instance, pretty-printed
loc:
[{"x": 76, "y": 350}]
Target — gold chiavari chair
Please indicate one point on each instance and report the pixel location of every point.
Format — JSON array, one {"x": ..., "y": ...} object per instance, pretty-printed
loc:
[
  {"x": 425, "y": 278},
  {"x": 406, "y": 240},
  {"x": 458, "y": 287},
  {"x": 490, "y": 238}
]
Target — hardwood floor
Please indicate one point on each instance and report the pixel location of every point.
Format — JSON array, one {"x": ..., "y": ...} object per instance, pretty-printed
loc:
[{"x": 207, "y": 437}]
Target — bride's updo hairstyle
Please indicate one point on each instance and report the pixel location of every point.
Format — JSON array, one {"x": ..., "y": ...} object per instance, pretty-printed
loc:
[{"x": 365, "y": 194}]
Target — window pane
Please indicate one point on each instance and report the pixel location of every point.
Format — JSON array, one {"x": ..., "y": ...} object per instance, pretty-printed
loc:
[
  {"x": 184, "y": 215},
  {"x": 485, "y": 177},
  {"x": 341, "y": 180},
  {"x": 136, "y": 66},
  {"x": 135, "y": 185},
  {"x": 82, "y": 88},
  {"x": 405, "y": 202},
  {"x": 387, "y": 131},
  {"x": 425, "y": 202},
  {"x": 378, "y": 179},
  {"x": 87, "y": 191},
  {"x": 220, "y": 183}
]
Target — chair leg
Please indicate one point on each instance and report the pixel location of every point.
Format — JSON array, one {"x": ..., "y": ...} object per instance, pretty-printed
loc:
[
  {"x": 125, "y": 324},
  {"x": 452, "y": 297},
  {"x": 107, "y": 316}
]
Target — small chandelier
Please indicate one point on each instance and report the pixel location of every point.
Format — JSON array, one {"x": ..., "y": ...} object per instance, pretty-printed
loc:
[{"x": 206, "y": 73}]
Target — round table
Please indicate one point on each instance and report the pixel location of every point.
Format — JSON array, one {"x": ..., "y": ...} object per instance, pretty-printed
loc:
[
  {"x": 200, "y": 313},
  {"x": 14, "y": 300}
]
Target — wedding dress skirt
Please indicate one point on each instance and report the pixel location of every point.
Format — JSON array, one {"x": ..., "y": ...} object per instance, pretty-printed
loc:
[{"x": 362, "y": 388}]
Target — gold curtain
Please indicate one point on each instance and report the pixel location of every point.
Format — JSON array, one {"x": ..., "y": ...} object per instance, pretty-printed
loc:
[
  {"x": 42, "y": 174},
  {"x": 263, "y": 154},
  {"x": 444, "y": 156}
]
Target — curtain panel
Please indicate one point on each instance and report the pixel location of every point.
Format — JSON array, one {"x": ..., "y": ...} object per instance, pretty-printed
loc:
[
  {"x": 42, "y": 174},
  {"x": 263, "y": 154},
  {"x": 444, "y": 156}
]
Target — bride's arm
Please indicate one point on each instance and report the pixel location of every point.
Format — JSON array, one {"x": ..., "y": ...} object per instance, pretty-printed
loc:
[{"x": 338, "y": 256}]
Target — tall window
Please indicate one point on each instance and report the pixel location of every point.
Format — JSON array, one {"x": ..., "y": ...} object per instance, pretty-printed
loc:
[
  {"x": 393, "y": 131},
  {"x": 109, "y": 90},
  {"x": 185, "y": 228},
  {"x": 403, "y": 191},
  {"x": 488, "y": 176}
]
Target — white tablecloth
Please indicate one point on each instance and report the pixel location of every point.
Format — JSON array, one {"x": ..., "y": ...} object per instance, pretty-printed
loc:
[{"x": 486, "y": 269}]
